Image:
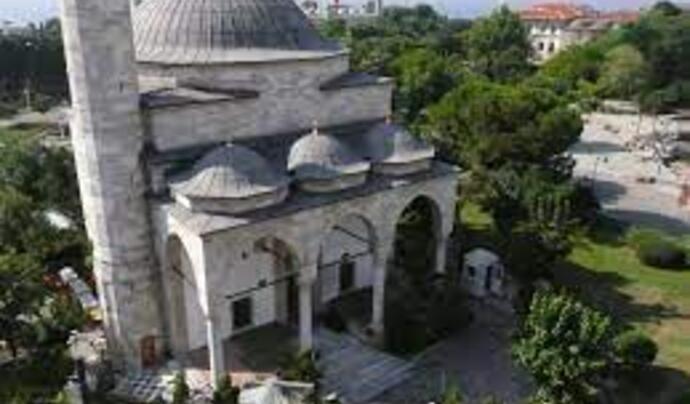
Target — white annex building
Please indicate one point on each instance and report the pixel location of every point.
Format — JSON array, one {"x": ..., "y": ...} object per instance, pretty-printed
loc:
[{"x": 234, "y": 172}]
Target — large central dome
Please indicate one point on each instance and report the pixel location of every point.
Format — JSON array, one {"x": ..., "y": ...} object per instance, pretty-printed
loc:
[{"x": 225, "y": 31}]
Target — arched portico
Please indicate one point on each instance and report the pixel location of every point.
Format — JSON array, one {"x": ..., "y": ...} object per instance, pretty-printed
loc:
[{"x": 347, "y": 266}]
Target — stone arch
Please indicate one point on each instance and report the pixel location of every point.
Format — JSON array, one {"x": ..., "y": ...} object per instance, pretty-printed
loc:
[
  {"x": 434, "y": 229},
  {"x": 185, "y": 320},
  {"x": 347, "y": 264}
]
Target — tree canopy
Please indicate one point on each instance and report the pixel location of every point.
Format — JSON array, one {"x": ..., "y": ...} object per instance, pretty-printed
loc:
[{"x": 498, "y": 46}]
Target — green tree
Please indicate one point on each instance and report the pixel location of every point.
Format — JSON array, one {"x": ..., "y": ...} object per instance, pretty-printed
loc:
[
  {"x": 486, "y": 125},
  {"x": 21, "y": 296},
  {"x": 624, "y": 72},
  {"x": 423, "y": 77},
  {"x": 498, "y": 46},
  {"x": 566, "y": 346}
]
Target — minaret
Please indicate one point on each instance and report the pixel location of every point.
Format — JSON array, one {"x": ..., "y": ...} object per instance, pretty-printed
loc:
[{"x": 108, "y": 142}]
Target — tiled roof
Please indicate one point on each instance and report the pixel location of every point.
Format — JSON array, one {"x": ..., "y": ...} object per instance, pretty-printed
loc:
[
  {"x": 621, "y": 17},
  {"x": 557, "y": 12}
]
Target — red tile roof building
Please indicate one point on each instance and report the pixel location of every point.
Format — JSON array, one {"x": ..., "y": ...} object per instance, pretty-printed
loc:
[{"x": 555, "y": 26}]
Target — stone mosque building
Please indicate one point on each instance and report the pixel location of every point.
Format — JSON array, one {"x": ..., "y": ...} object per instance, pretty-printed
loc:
[{"x": 234, "y": 172}]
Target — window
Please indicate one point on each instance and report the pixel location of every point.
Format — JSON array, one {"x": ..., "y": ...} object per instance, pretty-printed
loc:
[
  {"x": 347, "y": 274},
  {"x": 242, "y": 313}
]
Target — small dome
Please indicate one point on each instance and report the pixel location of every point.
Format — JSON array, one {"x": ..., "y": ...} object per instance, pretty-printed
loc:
[
  {"x": 319, "y": 156},
  {"x": 222, "y": 31},
  {"x": 393, "y": 144},
  {"x": 231, "y": 173}
]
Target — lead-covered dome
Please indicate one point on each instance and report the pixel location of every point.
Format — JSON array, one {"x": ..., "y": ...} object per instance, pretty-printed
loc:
[
  {"x": 231, "y": 179},
  {"x": 395, "y": 151},
  {"x": 322, "y": 163},
  {"x": 220, "y": 31}
]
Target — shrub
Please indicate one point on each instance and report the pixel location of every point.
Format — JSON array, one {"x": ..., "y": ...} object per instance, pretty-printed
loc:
[
  {"x": 657, "y": 250},
  {"x": 566, "y": 347},
  {"x": 180, "y": 389},
  {"x": 301, "y": 368},
  {"x": 635, "y": 349},
  {"x": 663, "y": 254},
  {"x": 226, "y": 393},
  {"x": 452, "y": 395}
]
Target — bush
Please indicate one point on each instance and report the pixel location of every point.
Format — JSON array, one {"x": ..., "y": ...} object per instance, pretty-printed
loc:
[
  {"x": 663, "y": 254},
  {"x": 452, "y": 395},
  {"x": 657, "y": 250},
  {"x": 226, "y": 393},
  {"x": 301, "y": 368},
  {"x": 180, "y": 389},
  {"x": 635, "y": 349}
]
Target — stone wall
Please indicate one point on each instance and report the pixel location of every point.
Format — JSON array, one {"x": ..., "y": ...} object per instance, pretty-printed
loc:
[
  {"x": 279, "y": 111},
  {"x": 108, "y": 142},
  {"x": 261, "y": 77}
]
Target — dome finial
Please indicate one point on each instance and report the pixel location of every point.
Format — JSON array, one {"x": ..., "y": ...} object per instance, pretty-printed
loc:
[{"x": 315, "y": 127}]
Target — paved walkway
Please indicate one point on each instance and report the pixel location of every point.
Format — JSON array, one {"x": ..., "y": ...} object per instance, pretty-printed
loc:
[
  {"x": 477, "y": 360},
  {"x": 355, "y": 372},
  {"x": 615, "y": 152}
]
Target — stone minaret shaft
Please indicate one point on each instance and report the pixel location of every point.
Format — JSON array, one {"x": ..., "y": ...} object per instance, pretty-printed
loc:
[{"x": 108, "y": 143}]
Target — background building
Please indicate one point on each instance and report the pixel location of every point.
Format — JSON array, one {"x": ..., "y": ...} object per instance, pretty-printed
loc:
[
  {"x": 556, "y": 26},
  {"x": 325, "y": 9}
]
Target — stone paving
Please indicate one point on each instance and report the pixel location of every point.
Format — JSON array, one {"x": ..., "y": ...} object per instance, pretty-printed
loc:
[
  {"x": 477, "y": 360},
  {"x": 618, "y": 154},
  {"x": 354, "y": 371}
]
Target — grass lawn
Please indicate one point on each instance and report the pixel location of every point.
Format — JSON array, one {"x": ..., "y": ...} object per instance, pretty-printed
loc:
[{"x": 607, "y": 274}]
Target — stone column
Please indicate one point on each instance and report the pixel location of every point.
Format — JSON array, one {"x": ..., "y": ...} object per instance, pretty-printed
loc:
[
  {"x": 382, "y": 258},
  {"x": 216, "y": 354},
  {"x": 441, "y": 252},
  {"x": 306, "y": 313}
]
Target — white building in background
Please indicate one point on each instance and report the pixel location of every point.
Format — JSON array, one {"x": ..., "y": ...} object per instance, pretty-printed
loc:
[
  {"x": 236, "y": 176},
  {"x": 554, "y": 27}
]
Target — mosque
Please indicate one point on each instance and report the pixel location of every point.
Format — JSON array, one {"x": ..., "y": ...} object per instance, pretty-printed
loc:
[{"x": 234, "y": 173}]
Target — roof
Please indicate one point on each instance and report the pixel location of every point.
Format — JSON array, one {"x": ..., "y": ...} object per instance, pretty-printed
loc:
[
  {"x": 621, "y": 16},
  {"x": 206, "y": 223},
  {"x": 590, "y": 24},
  {"x": 391, "y": 143},
  {"x": 320, "y": 156},
  {"x": 354, "y": 79},
  {"x": 178, "y": 96},
  {"x": 230, "y": 172},
  {"x": 557, "y": 12},
  {"x": 481, "y": 257},
  {"x": 225, "y": 31}
]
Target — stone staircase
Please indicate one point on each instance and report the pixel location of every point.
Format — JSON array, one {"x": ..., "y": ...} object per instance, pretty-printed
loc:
[{"x": 355, "y": 372}]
